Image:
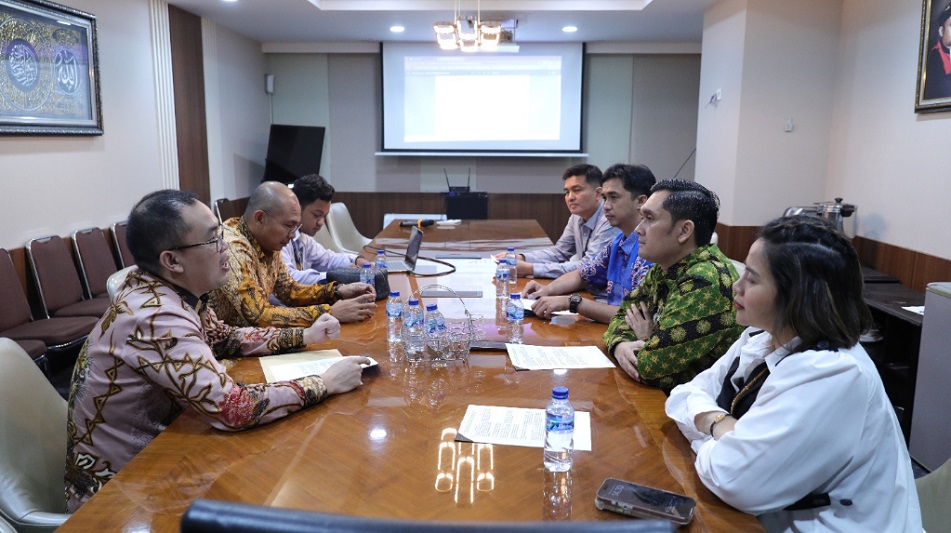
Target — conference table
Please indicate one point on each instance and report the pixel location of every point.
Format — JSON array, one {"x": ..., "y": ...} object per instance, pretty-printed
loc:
[{"x": 388, "y": 449}]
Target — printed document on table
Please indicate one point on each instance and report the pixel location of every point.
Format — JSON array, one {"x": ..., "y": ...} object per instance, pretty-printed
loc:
[
  {"x": 300, "y": 364},
  {"x": 516, "y": 426},
  {"x": 525, "y": 357}
]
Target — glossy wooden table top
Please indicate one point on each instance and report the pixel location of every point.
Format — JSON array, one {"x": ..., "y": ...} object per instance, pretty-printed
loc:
[{"x": 387, "y": 450}]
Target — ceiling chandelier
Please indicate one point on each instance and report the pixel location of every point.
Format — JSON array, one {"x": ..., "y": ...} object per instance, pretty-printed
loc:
[{"x": 468, "y": 33}]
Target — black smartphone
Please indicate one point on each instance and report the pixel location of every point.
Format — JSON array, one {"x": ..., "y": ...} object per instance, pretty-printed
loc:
[{"x": 644, "y": 502}]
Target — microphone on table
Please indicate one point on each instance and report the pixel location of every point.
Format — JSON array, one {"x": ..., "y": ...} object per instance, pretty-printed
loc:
[{"x": 421, "y": 223}]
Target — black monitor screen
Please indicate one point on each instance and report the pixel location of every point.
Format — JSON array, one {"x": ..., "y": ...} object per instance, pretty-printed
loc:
[{"x": 293, "y": 151}]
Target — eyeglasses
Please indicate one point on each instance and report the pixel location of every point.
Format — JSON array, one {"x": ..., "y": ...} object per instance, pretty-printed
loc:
[
  {"x": 291, "y": 228},
  {"x": 218, "y": 240}
]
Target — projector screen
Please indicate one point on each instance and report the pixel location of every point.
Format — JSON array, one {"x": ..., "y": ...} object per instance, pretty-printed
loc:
[{"x": 450, "y": 101}]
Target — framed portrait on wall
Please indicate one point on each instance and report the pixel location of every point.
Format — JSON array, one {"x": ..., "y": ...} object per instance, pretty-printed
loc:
[
  {"x": 934, "y": 57},
  {"x": 49, "y": 70}
]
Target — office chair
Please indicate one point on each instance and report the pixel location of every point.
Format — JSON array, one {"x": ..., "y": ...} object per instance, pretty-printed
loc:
[
  {"x": 343, "y": 230},
  {"x": 210, "y": 516},
  {"x": 96, "y": 262},
  {"x": 116, "y": 279},
  {"x": 57, "y": 280},
  {"x": 32, "y": 445},
  {"x": 325, "y": 239},
  {"x": 5, "y": 527},
  {"x": 934, "y": 491},
  {"x": 118, "y": 239}
]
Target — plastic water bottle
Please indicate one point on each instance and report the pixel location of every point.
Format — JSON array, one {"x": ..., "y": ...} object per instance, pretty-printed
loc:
[
  {"x": 414, "y": 336},
  {"x": 559, "y": 431},
  {"x": 512, "y": 260},
  {"x": 502, "y": 284},
  {"x": 515, "y": 314},
  {"x": 437, "y": 337},
  {"x": 366, "y": 274},
  {"x": 394, "y": 317},
  {"x": 380, "y": 263}
]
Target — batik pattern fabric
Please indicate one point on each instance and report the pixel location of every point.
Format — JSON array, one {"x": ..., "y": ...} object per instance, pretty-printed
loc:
[
  {"x": 255, "y": 275},
  {"x": 694, "y": 319},
  {"x": 153, "y": 355},
  {"x": 616, "y": 270}
]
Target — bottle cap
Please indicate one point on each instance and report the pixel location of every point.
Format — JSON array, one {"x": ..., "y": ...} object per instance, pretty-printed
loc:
[
  {"x": 366, "y": 265},
  {"x": 511, "y": 248},
  {"x": 516, "y": 296},
  {"x": 431, "y": 307},
  {"x": 413, "y": 301},
  {"x": 381, "y": 251},
  {"x": 394, "y": 294},
  {"x": 559, "y": 393}
]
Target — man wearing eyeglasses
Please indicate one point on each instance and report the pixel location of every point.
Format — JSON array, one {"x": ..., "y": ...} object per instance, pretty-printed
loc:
[
  {"x": 154, "y": 353},
  {"x": 270, "y": 221}
]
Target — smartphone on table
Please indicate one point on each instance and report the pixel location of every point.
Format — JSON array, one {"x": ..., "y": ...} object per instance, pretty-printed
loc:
[{"x": 641, "y": 501}]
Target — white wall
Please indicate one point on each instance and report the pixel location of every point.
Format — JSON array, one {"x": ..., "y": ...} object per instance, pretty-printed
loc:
[
  {"x": 893, "y": 164},
  {"x": 237, "y": 109},
  {"x": 619, "y": 122},
  {"x": 773, "y": 62},
  {"x": 54, "y": 185}
]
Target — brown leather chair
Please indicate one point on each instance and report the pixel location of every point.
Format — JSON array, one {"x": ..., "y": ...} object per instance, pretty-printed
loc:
[
  {"x": 118, "y": 239},
  {"x": 32, "y": 445},
  {"x": 96, "y": 263},
  {"x": 57, "y": 281},
  {"x": 225, "y": 208},
  {"x": 16, "y": 320}
]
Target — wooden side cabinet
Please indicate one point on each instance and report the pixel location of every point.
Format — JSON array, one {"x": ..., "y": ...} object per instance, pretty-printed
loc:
[{"x": 894, "y": 348}]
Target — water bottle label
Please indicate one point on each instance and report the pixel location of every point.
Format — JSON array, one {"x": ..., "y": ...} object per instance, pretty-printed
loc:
[
  {"x": 394, "y": 311},
  {"x": 559, "y": 424},
  {"x": 515, "y": 313}
]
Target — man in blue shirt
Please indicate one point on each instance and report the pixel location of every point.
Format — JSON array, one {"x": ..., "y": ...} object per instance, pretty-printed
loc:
[
  {"x": 586, "y": 233},
  {"x": 616, "y": 269}
]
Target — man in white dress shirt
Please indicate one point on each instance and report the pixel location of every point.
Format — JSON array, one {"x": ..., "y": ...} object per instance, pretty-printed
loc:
[
  {"x": 307, "y": 261},
  {"x": 586, "y": 233}
]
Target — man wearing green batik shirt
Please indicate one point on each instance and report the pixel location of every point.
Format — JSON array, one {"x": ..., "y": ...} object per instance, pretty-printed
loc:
[{"x": 681, "y": 319}]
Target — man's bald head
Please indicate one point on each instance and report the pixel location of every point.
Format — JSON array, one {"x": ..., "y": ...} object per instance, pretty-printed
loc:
[{"x": 272, "y": 215}]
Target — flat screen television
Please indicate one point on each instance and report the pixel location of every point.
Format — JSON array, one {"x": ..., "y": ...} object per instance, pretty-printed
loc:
[
  {"x": 292, "y": 152},
  {"x": 450, "y": 101}
]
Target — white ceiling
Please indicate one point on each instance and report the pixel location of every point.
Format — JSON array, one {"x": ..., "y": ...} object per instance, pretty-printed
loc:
[{"x": 316, "y": 21}]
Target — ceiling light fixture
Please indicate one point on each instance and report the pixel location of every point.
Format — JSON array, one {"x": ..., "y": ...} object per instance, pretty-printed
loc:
[
  {"x": 569, "y": 29},
  {"x": 397, "y": 29},
  {"x": 468, "y": 33}
]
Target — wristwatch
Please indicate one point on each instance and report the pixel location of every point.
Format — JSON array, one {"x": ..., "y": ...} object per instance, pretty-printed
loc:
[{"x": 573, "y": 301}]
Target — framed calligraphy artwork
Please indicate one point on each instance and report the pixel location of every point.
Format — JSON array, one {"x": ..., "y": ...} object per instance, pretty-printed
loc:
[{"x": 49, "y": 70}]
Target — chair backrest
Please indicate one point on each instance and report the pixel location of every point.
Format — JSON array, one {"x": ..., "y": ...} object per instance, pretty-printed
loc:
[
  {"x": 32, "y": 443},
  {"x": 934, "y": 492},
  {"x": 325, "y": 239},
  {"x": 57, "y": 280},
  {"x": 212, "y": 516},
  {"x": 343, "y": 230},
  {"x": 16, "y": 308},
  {"x": 225, "y": 208},
  {"x": 96, "y": 263},
  {"x": 118, "y": 238},
  {"x": 116, "y": 279}
]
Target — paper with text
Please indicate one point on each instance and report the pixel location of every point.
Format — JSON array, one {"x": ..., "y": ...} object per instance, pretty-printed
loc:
[
  {"x": 526, "y": 357},
  {"x": 297, "y": 365},
  {"x": 516, "y": 426}
]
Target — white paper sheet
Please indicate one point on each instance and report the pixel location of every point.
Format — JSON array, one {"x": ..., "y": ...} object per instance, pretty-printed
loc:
[
  {"x": 526, "y": 357},
  {"x": 297, "y": 365},
  {"x": 516, "y": 426},
  {"x": 530, "y": 303}
]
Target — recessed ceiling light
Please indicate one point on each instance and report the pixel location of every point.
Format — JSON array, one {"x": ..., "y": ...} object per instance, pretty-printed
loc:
[
  {"x": 230, "y": 0},
  {"x": 397, "y": 29},
  {"x": 569, "y": 29}
]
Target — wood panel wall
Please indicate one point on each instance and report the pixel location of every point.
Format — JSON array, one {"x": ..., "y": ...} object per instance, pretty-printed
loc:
[
  {"x": 188, "y": 80},
  {"x": 368, "y": 208},
  {"x": 913, "y": 269}
]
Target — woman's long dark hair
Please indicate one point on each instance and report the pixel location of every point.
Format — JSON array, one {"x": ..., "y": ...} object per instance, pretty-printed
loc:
[{"x": 818, "y": 282}]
